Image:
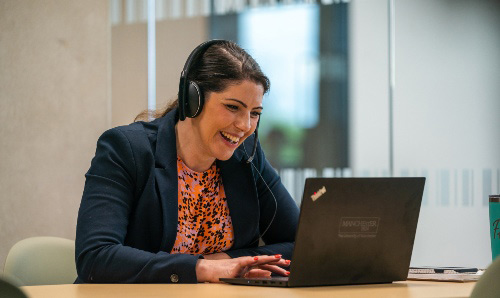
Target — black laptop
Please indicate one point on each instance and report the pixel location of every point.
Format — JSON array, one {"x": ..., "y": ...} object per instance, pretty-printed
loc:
[{"x": 352, "y": 231}]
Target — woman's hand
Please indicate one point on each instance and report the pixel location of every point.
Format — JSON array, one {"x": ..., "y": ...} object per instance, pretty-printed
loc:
[{"x": 210, "y": 270}]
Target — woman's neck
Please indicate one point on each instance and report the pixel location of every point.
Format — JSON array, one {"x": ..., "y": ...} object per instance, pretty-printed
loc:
[{"x": 189, "y": 147}]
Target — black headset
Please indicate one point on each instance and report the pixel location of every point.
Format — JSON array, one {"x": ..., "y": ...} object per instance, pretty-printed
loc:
[{"x": 191, "y": 97}]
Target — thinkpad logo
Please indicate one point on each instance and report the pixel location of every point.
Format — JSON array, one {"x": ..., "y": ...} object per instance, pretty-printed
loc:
[{"x": 318, "y": 193}]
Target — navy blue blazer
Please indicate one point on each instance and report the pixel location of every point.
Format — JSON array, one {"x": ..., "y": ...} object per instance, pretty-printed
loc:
[{"x": 127, "y": 221}]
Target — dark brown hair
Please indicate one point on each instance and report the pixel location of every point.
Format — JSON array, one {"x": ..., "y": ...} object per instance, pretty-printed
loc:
[{"x": 222, "y": 65}]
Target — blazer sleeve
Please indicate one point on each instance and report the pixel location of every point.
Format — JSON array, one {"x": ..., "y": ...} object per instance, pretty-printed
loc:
[
  {"x": 108, "y": 197},
  {"x": 279, "y": 213}
]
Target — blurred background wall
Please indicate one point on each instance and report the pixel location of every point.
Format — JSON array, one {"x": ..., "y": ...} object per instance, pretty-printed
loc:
[
  {"x": 129, "y": 62},
  {"x": 54, "y": 103},
  {"x": 445, "y": 115},
  {"x": 71, "y": 69}
]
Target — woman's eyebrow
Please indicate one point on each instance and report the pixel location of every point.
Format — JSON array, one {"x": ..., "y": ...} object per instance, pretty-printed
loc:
[{"x": 243, "y": 104}]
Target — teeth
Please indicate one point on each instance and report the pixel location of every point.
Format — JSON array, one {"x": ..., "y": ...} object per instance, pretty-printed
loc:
[{"x": 230, "y": 137}]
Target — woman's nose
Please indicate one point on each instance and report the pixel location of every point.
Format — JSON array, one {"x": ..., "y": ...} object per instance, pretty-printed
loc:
[{"x": 244, "y": 123}]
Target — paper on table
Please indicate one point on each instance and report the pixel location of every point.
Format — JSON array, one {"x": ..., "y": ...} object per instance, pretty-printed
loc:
[{"x": 459, "y": 277}]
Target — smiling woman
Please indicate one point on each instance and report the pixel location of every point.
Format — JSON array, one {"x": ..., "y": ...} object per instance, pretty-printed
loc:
[
  {"x": 227, "y": 119},
  {"x": 180, "y": 198}
]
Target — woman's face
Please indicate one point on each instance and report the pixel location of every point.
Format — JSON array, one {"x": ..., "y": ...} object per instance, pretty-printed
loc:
[{"x": 228, "y": 118}]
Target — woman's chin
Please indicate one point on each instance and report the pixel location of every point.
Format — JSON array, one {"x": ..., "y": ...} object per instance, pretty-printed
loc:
[
  {"x": 224, "y": 154},
  {"x": 225, "y": 157}
]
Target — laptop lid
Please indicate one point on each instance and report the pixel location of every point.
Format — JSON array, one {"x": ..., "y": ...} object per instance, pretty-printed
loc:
[{"x": 355, "y": 230}]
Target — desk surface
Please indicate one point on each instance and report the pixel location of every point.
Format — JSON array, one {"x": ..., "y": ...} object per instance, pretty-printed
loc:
[{"x": 398, "y": 289}]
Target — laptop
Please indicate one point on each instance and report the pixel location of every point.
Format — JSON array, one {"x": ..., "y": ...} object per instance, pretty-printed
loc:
[{"x": 352, "y": 231}]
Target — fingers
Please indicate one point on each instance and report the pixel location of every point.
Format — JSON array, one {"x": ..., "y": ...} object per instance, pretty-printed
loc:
[
  {"x": 263, "y": 259},
  {"x": 275, "y": 269},
  {"x": 280, "y": 262},
  {"x": 257, "y": 260},
  {"x": 257, "y": 273},
  {"x": 259, "y": 266}
]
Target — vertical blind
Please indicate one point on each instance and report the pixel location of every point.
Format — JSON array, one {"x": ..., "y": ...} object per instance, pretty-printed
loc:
[{"x": 136, "y": 11}]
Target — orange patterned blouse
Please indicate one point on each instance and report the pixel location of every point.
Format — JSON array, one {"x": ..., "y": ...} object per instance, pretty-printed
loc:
[{"x": 204, "y": 225}]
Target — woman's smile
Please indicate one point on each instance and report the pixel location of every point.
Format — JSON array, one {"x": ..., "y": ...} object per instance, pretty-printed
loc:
[{"x": 232, "y": 140}]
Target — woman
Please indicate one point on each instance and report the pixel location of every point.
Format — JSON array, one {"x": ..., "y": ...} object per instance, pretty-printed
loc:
[{"x": 175, "y": 199}]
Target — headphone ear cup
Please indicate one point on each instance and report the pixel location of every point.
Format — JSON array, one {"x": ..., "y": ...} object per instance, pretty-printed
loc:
[{"x": 195, "y": 100}]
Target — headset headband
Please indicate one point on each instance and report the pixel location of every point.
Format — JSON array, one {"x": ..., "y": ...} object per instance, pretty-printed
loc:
[
  {"x": 198, "y": 51},
  {"x": 184, "y": 82}
]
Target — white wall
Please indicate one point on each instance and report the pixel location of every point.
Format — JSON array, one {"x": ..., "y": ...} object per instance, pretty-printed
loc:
[
  {"x": 129, "y": 63},
  {"x": 447, "y": 101},
  {"x": 446, "y": 115},
  {"x": 368, "y": 92},
  {"x": 447, "y": 120},
  {"x": 54, "y": 103}
]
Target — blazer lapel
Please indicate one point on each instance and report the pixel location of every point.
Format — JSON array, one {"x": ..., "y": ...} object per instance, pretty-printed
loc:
[{"x": 166, "y": 178}]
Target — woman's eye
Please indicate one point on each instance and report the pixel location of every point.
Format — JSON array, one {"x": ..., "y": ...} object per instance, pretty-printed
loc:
[
  {"x": 232, "y": 107},
  {"x": 256, "y": 114}
]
